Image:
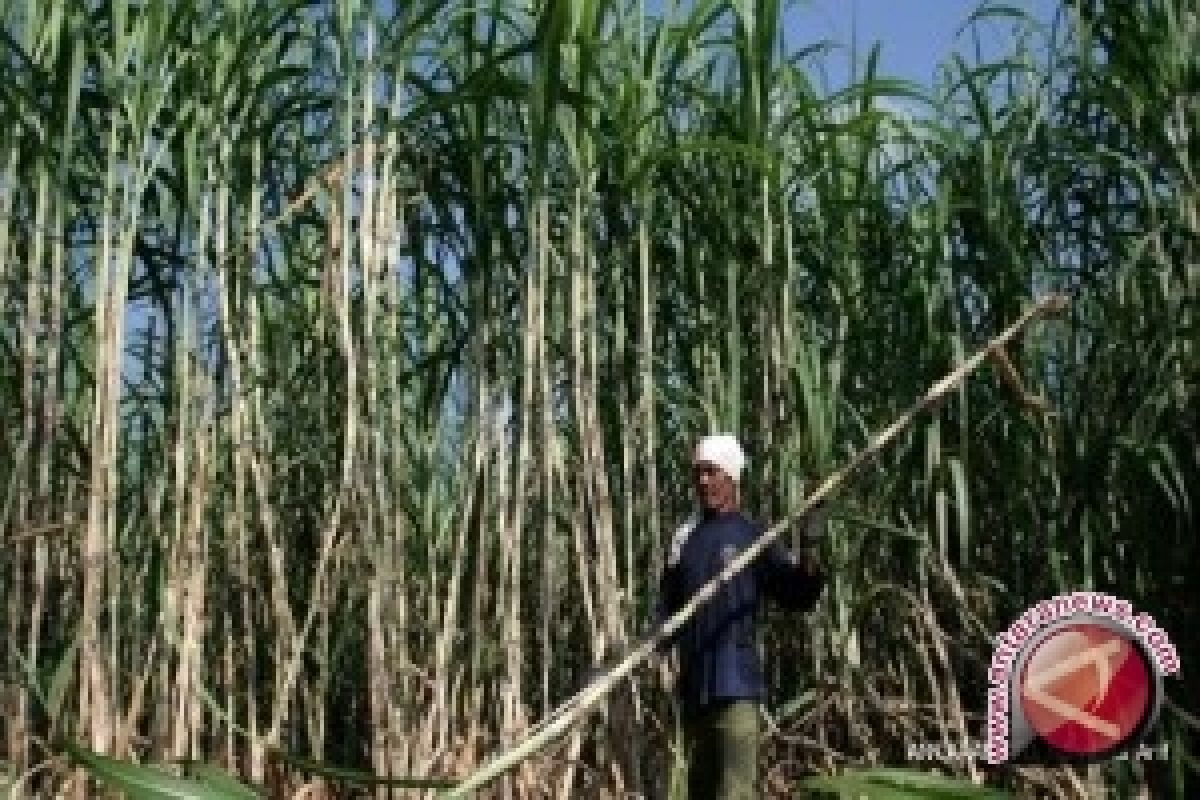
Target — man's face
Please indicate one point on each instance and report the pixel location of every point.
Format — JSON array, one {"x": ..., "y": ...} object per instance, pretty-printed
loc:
[{"x": 714, "y": 488}]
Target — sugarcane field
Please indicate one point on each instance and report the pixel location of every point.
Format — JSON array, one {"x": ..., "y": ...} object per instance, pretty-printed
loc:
[{"x": 600, "y": 399}]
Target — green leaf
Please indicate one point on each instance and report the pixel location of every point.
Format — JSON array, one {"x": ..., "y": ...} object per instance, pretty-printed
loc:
[
  {"x": 148, "y": 782},
  {"x": 8, "y": 778},
  {"x": 31, "y": 677},
  {"x": 997, "y": 12},
  {"x": 219, "y": 779},
  {"x": 802, "y": 701},
  {"x": 61, "y": 679},
  {"x": 886, "y": 783},
  {"x": 962, "y": 505}
]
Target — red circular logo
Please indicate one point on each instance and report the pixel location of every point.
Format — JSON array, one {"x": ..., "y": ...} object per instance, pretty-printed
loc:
[{"x": 1086, "y": 689}]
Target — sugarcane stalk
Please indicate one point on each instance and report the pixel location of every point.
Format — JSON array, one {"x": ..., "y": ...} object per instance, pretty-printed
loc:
[{"x": 575, "y": 709}]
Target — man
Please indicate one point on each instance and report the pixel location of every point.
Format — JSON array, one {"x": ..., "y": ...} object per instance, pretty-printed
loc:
[{"x": 721, "y": 680}]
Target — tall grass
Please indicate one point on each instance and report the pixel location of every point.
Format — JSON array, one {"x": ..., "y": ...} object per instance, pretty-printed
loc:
[{"x": 351, "y": 354}]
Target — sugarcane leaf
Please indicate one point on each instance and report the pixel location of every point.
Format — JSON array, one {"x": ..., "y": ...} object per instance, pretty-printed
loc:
[
  {"x": 61, "y": 679},
  {"x": 32, "y": 680},
  {"x": 800, "y": 702},
  {"x": 885, "y": 783},
  {"x": 221, "y": 780},
  {"x": 151, "y": 782},
  {"x": 962, "y": 500}
]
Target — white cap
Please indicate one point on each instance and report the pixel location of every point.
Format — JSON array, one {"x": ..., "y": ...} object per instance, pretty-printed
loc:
[{"x": 724, "y": 451}]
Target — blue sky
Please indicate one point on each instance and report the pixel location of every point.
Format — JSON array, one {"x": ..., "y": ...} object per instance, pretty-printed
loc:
[{"x": 915, "y": 34}]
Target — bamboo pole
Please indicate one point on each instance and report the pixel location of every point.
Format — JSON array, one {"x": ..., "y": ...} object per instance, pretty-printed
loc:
[{"x": 574, "y": 710}]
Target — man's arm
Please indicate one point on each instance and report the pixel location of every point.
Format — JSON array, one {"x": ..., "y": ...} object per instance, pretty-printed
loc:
[{"x": 796, "y": 579}]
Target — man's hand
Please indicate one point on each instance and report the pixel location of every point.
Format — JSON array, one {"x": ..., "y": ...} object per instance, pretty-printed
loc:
[
  {"x": 805, "y": 546},
  {"x": 806, "y": 559},
  {"x": 813, "y": 523}
]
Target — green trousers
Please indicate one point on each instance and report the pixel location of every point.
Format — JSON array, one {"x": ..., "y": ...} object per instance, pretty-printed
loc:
[{"x": 722, "y": 751}]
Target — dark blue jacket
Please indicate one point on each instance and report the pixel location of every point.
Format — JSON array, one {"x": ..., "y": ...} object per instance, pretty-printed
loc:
[{"x": 718, "y": 655}]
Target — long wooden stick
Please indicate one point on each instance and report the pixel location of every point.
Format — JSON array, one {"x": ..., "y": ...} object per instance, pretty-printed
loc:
[{"x": 572, "y": 711}]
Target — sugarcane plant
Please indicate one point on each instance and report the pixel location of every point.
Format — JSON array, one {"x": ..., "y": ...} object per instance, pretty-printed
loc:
[{"x": 351, "y": 354}]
